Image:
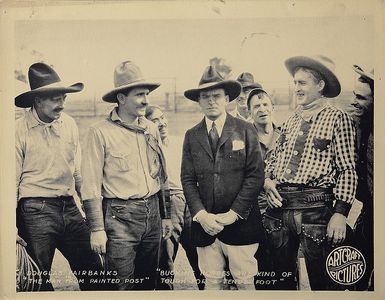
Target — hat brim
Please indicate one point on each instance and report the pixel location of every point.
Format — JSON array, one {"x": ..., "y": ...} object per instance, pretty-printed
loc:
[
  {"x": 232, "y": 89},
  {"x": 111, "y": 96},
  {"x": 26, "y": 99},
  {"x": 367, "y": 75},
  {"x": 332, "y": 84}
]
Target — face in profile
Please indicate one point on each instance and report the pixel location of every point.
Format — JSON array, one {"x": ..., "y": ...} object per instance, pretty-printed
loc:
[
  {"x": 306, "y": 87},
  {"x": 362, "y": 103},
  {"x": 213, "y": 103}
]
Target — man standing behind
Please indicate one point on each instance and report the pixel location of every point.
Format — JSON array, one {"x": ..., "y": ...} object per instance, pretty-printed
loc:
[
  {"x": 247, "y": 83},
  {"x": 362, "y": 112},
  {"x": 222, "y": 174},
  {"x": 47, "y": 175},
  {"x": 123, "y": 171},
  {"x": 311, "y": 166},
  {"x": 180, "y": 214}
]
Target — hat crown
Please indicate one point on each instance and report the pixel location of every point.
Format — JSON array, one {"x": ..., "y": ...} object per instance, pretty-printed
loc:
[
  {"x": 210, "y": 75},
  {"x": 326, "y": 61},
  {"x": 40, "y": 74},
  {"x": 246, "y": 77},
  {"x": 126, "y": 73}
]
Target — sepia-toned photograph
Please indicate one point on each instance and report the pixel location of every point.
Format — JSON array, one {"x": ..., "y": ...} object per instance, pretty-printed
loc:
[{"x": 224, "y": 146}]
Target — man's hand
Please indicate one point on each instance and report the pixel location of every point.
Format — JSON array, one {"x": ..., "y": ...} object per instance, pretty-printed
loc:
[
  {"x": 226, "y": 218},
  {"x": 336, "y": 230},
  {"x": 20, "y": 241},
  {"x": 98, "y": 241},
  {"x": 209, "y": 223},
  {"x": 167, "y": 228},
  {"x": 274, "y": 199}
]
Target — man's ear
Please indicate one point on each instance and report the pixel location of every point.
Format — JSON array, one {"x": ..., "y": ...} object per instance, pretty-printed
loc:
[
  {"x": 121, "y": 98},
  {"x": 321, "y": 85},
  {"x": 227, "y": 98},
  {"x": 37, "y": 101}
]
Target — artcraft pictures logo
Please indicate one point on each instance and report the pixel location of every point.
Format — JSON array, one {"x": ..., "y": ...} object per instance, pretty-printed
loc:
[{"x": 345, "y": 265}]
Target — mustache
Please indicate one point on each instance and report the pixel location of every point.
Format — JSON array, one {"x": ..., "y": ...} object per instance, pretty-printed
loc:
[{"x": 58, "y": 109}]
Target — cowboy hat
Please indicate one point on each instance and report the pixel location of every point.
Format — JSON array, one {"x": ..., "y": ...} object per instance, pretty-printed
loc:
[
  {"x": 246, "y": 80},
  {"x": 43, "y": 80},
  {"x": 323, "y": 65},
  {"x": 127, "y": 75},
  {"x": 367, "y": 75},
  {"x": 211, "y": 79}
]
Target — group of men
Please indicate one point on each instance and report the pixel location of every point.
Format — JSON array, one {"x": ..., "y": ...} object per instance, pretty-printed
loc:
[{"x": 242, "y": 198}]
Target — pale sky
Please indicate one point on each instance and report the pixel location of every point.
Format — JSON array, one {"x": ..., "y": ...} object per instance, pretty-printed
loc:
[{"x": 88, "y": 50}]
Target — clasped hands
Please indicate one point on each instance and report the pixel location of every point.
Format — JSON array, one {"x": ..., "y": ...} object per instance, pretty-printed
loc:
[{"x": 213, "y": 224}]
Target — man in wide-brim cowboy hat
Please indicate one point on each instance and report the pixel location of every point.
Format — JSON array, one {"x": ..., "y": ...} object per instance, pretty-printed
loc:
[
  {"x": 247, "y": 82},
  {"x": 222, "y": 174},
  {"x": 47, "y": 176},
  {"x": 125, "y": 174},
  {"x": 311, "y": 165}
]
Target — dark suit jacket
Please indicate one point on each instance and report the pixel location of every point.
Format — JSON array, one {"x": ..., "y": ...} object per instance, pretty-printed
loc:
[{"x": 229, "y": 179}]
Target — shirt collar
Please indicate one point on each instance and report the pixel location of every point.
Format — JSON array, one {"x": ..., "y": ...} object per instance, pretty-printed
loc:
[
  {"x": 238, "y": 115},
  {"x": 312, "y": 112},
  {"x": 115, "y": 117},
  {"x": 33, "y": 119},
  {"x": 219, "y": 123}
]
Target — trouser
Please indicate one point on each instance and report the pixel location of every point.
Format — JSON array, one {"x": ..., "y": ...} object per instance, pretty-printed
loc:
[
  {"x": 133, "y": 229},
  {"x": 47, "y": 224},
  {"x": 181, "y": 220},
  {"x": 241, "y": 263},
  {"x": 364, "y": 241}
]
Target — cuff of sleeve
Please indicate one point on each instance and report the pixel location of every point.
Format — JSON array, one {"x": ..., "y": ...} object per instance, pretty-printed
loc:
[
  {"x": 198, "y": 214},
  {"x": 342, "y": 207},
  {"x": 238, "y": 215},
  {"x": 94, "y": 214}
]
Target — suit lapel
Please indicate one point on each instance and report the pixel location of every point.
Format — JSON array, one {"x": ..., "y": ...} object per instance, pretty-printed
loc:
[
  {"x": 203, "y": 138},
  {"x": 227, "y": 131}
]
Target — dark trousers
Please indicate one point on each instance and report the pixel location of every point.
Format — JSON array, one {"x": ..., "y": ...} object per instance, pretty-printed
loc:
[
  {"x": 286, "y": 230},
  {"x": 181, "y": 220},
  {"x": 133, "y": 229},
  {"x": 47, "y": 224}
]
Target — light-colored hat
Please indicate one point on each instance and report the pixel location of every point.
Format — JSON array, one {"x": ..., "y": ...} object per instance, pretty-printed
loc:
[
  {"x": 323, "y": 65},
  {"x": 246, "y": 80},
  {"x": 367, "y": 75},
  {"x": 127, "y": 75},
  {"x": 43, "y": 80},
  {"x": 211, "y": 79}
]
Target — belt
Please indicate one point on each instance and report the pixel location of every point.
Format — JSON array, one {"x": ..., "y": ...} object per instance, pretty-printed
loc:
[
  {"x": 64, "y": 198},
  {"x": 294, "y": 197},
  {"x": 145, "y": 199}
]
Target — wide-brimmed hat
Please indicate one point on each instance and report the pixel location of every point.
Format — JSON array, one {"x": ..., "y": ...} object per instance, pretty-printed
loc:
[
  {"x": 43, "y": 80},
  {"x": 323, "y": 65},
  {"x": 127, "y": 75},
  {"x": 211, "y": 79},
  {"x": 367, "y": 75},
  {"x": 246, "y": 80}
]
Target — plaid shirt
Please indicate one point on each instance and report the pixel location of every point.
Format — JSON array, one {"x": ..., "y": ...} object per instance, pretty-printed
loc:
[{"x": 319, "y": 152}]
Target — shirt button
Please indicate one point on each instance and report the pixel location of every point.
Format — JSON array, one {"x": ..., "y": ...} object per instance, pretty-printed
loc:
[
  {"x": 295, "y": 152},
  {"x": 300, "y": 133},
  {"x": 288, "y": 171}
]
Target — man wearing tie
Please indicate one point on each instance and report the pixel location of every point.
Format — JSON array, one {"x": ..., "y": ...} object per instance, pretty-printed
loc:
[{"x": 222, "y": 174}]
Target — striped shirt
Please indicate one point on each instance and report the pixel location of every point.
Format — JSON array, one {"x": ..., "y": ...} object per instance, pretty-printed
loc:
[{"x": 317, "y": 152}]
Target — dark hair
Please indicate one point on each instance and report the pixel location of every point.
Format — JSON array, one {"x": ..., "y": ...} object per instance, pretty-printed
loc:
[
  {"x": 257, "y": 94},
  {"x": 368, "y": 81},
  {"x": 150, "y": 110}
]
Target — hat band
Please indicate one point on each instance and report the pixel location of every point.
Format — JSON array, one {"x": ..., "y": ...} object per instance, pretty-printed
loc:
[
  {"x": 48, "y": 86},
  {"x": 122, "y": 84}
]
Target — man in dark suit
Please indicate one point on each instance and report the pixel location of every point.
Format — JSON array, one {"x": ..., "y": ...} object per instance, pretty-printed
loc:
[{"x": 222, "y": 174}]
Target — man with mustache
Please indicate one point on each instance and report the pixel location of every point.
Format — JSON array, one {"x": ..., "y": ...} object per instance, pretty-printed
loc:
[
  {"x": 222, "y": 174},
  {"x": 47, "y": 176},
  {"x": 311, "y": 166},
  {"x": 180, "y": 214},
  {"x": 362, "y": 113},
  {"x": 125, "y": 193},
  {"x": 247, "y": 82}
]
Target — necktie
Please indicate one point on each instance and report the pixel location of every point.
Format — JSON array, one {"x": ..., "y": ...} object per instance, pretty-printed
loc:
[{"x": 214, "y": 137}]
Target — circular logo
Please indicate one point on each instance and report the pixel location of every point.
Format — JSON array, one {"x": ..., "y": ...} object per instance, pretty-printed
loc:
[{"x": 345, "y": 265}]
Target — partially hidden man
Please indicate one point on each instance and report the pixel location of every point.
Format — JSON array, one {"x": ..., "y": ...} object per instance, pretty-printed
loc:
[
  {"x": 125, "y": 183},
  {"x": 311, "y": 166},
  {"x": 222, "y": 174},
  {"x": 48, "y": 159}
]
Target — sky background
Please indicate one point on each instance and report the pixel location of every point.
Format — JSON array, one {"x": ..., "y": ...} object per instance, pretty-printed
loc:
[{"x": 88, "y": 50}]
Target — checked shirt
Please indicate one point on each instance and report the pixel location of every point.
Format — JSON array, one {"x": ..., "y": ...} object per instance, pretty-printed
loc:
[{"x": 318, "y": 152}]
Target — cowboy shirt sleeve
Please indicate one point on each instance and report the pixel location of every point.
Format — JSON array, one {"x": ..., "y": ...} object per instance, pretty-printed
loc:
[
  {"x": 92, "y": 170},
  {"x": 78, "y": 159}
]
